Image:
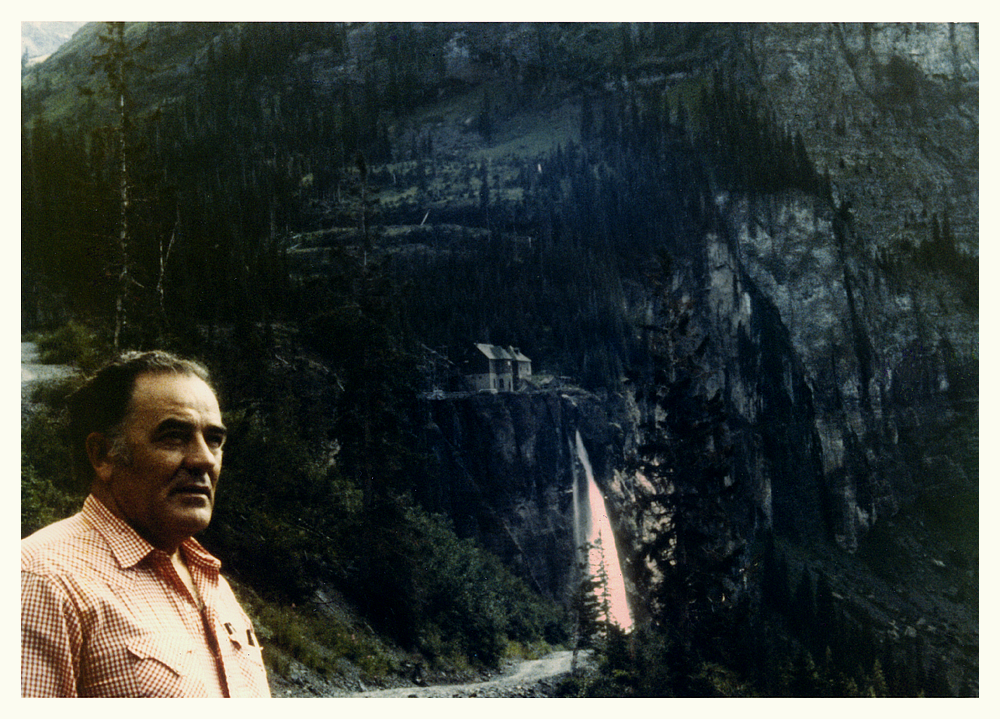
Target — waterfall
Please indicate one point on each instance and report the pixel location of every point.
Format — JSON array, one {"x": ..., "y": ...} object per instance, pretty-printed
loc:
[{"x": 590, "y": 524}]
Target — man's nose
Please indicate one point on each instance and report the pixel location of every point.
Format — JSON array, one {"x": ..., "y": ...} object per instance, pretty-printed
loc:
[{"x": 201, "y": 455}]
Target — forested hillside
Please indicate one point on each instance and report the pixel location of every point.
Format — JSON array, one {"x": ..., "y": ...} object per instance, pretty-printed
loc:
[
  {"x": 255, "y": 160},
  {"x": 331, "y": 215}
]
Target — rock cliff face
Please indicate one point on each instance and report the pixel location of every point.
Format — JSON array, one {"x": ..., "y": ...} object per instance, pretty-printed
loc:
[
  {"x": 849, "y": 375},
  {"x": 831, "y": 413},
  {"x": 891, "y": 113},
  {"x": 508, "y": 463}
]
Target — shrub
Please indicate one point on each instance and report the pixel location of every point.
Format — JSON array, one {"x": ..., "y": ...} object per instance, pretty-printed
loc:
[
  {"x": 468, "y": 601},
  {"x": 73, "y": 343},
  {"x": 313, "y": 638},
  {"x": 41, "y": 502},
  {"x": 48, "y": 491}
]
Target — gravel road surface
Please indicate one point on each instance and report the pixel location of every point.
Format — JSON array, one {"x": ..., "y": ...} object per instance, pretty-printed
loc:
[{"x": 531, "y": 678}]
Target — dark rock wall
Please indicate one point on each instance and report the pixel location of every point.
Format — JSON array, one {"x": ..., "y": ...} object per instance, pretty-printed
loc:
[
  {"x": 828, "y": 432},
  {"x": 506, "y": 479},
  {"x": 849, "y": 373},
  {"x": 504, "y": 473}
]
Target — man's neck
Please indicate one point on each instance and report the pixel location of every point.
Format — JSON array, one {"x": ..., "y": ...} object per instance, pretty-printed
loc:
[
  {"x": 177, "y": 559},
  {"x": 171, "y": 545}
]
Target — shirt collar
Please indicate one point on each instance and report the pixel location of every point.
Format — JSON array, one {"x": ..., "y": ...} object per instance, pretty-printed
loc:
[{"x": 125, "y": 543}]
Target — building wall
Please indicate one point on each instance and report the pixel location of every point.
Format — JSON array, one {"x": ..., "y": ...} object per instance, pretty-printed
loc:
[
  {"x": 482, "y": 381},
  {"x": 493, "y": 381},
  {"x": 498, "y": 375}
]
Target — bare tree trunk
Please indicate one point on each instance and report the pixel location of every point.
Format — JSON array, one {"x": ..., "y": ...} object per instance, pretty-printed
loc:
[
  {"x": 363, "y": 169},
  {"x": 164, "y": 258},
  {"x": 114, "y": 62},
  {"x": 123, "y": 277}
]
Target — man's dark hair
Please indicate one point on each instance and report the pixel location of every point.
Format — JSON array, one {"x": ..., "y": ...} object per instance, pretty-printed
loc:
[{"x": 102, "y": 403}]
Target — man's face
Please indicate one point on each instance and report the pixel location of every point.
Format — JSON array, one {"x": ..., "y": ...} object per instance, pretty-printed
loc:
[{"x": 164, "y": 486}]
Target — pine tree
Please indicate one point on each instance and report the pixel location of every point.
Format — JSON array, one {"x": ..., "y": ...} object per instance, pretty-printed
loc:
[
  {"x": 805, "y": 681},
  {"x": 586, "y": 120},
  {"x": 686, "y": 453},
  {"x": 484, "y": 121},
  {"x": 603, "y": 587},
  {"x": 484, "y": 193},
  {"x": 804, "y": 606},
  {"x": 586, "y": 609},
  {"x": 775, "y": 579},
  {"x": 878, "y": 686},
  {"x": 825, "y": 624}
]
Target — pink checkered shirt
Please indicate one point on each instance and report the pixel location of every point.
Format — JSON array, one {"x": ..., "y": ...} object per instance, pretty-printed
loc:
[{"x": 105, "y": 614}]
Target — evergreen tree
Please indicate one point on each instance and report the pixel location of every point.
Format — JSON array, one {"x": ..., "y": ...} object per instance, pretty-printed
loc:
[
  {"x": 775, "y": 579},
  {"x": 825, "y": 625},
  {"x": 586, "y": 120},
  {"x": 484, "y": 193},
  {"x": 603, "y": 589},
  {"x": 804, "y": 605},
  {"x": 685, "y": 450},
  {"x": 484, "y": 120},
  {"x": 805, "y": 680},
  {"x": 587, "y": 610}
]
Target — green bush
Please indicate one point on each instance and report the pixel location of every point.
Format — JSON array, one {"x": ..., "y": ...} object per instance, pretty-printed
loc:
[
  {"x": 48, "y": 490},
  {"x": 468, "y": 603},
  {"x": 73, "y": 343},
  {"x": 42, "y": 503}
]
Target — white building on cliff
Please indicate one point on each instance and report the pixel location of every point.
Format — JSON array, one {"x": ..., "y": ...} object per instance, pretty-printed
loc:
[{"x": 498, "y": 369}]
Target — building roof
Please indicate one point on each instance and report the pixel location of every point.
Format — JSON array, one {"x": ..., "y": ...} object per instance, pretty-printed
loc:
[
  {"x": 516, "y": 354},
  {"x": 494, "y": 352}
]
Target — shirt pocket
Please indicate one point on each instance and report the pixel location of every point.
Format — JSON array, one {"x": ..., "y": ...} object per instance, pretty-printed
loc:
[
  {"x": 244, "y": 659},
  {"x": 161, "y": 667}
]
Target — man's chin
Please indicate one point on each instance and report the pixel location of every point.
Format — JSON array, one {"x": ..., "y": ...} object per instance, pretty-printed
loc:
[{"x": 193, "y": 519}]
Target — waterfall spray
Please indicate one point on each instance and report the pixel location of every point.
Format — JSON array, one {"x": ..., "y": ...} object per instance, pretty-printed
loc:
[{"x": 591, "y": 527}]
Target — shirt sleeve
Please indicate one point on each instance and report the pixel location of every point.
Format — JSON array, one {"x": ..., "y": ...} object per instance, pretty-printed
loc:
[{"x": 50, "y": 638}]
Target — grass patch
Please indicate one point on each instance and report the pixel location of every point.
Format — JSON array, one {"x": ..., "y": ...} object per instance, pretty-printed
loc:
[
  {"x": 318, "y": 641},
  {"x": 527, "y": 651}
]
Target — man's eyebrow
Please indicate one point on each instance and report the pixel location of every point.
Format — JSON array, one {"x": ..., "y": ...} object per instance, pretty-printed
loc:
[{"x": 172, "y": 423}]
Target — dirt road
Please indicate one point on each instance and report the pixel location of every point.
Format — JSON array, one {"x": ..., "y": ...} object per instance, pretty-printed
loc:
[{"x": 531, "y": 678}]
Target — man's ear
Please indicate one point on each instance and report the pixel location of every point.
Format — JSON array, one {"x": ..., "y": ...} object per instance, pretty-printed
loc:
[{"x": 99, "y": 452}]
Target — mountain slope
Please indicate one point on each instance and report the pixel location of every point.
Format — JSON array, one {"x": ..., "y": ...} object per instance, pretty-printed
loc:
[
  {"x": 793, "y": 209},
  {"x": 40, "y": 39}
]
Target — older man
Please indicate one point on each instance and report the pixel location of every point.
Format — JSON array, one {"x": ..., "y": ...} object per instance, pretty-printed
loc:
[{"x": 119, "y": 600}]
